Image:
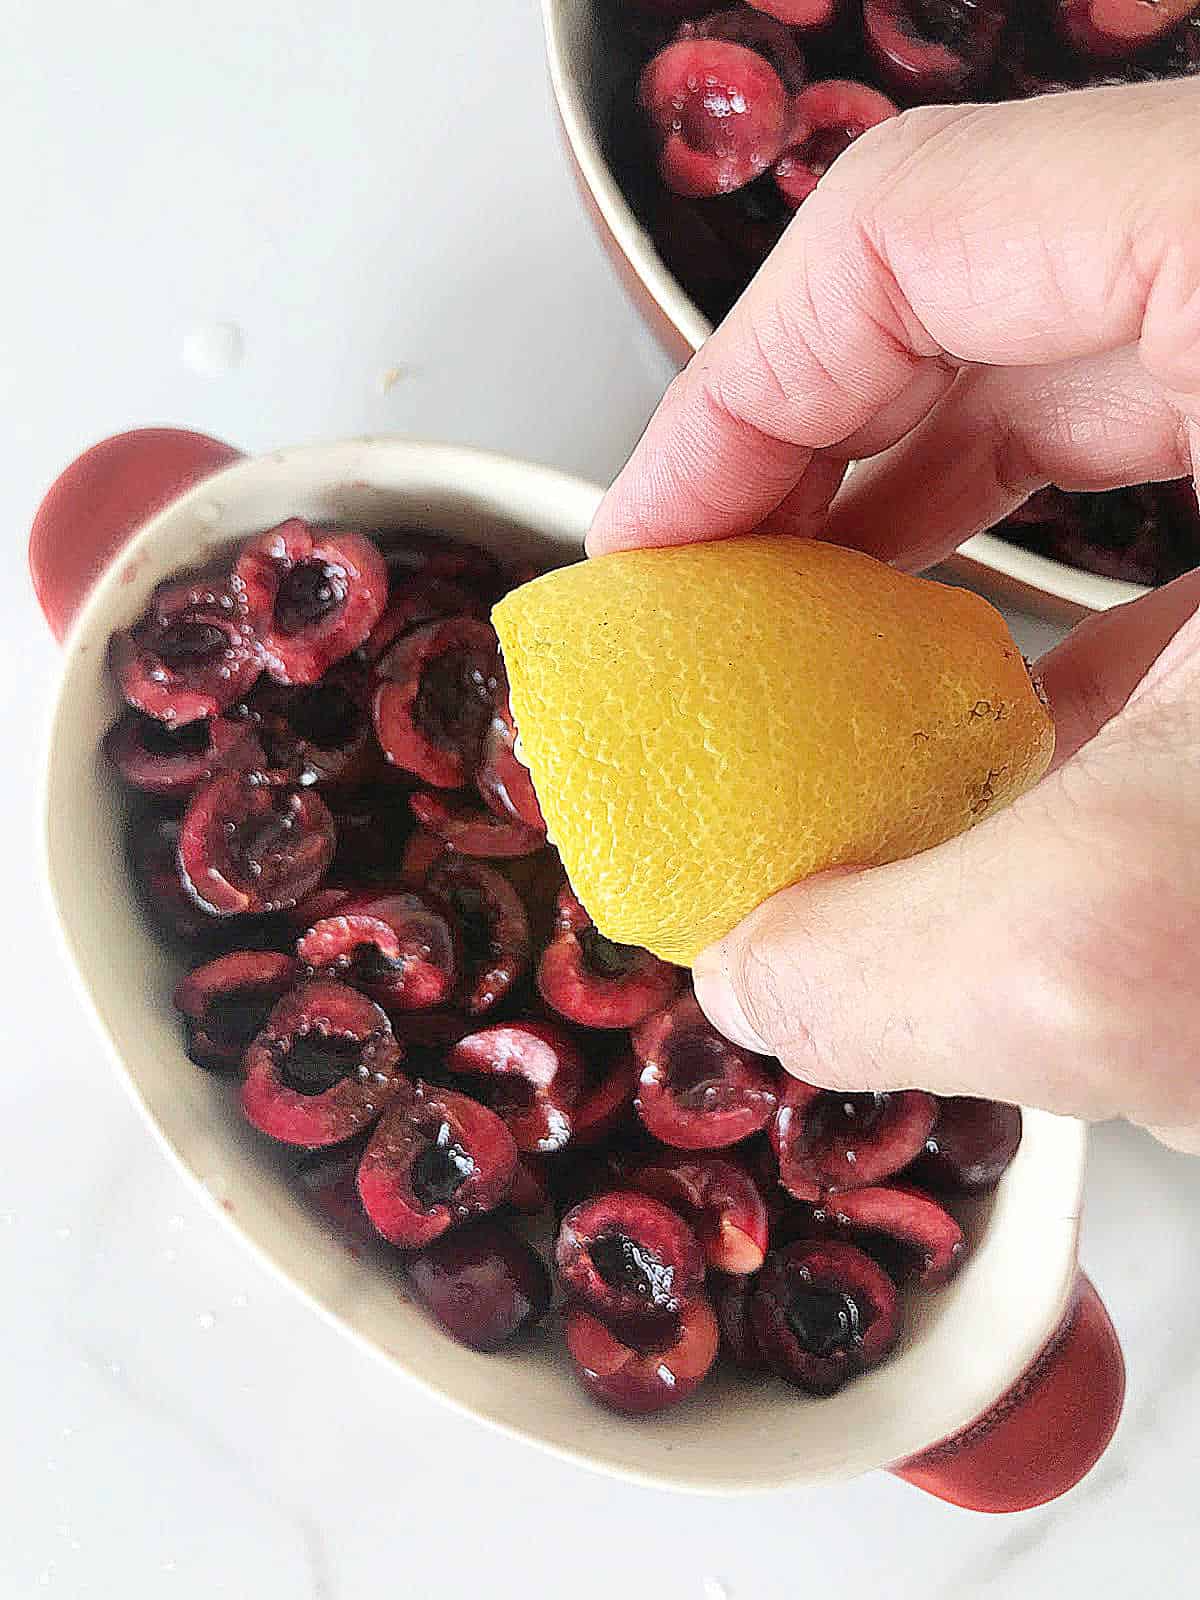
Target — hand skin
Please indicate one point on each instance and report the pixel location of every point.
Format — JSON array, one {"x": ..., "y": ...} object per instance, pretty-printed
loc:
[{"x": 982, "y": 300}]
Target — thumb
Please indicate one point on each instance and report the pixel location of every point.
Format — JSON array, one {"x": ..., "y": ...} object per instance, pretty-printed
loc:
[
  {"x": 896, "y": 977},
  {"x": 1038, "y": 958}
]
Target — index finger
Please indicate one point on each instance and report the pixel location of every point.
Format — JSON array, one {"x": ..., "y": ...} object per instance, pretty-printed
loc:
[{"x": 1003, "y": 235}]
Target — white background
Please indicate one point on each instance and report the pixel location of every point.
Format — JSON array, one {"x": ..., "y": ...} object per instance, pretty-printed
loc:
[{"x": 361, "y": 187}]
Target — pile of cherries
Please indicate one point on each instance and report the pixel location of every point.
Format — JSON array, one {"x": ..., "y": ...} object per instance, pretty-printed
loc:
[
  {"x": 743, "y": 109},
  {"x": 333, "y": 829}
]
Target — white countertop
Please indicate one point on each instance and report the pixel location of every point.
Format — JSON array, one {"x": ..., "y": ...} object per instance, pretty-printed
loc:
[{"x": 372, "y": 195}]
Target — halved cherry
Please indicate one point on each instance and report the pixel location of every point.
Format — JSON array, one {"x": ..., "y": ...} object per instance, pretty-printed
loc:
[
  {"x": 970, "y": 1146},
  {"x": 154, "y": 859},
  {"x": 696, "y": 1090},
  {"x": 482, "y": 1284},
  {"x": 172, "y": 759},
  {"x": 193, "y": 652},
  {"x": 502, "y": 780},
  {"x": 320, "y": 593},
  {"x": 762, "y": 29},
  {"x": 718, "y": 112},
  {"x": 530, "y": 1192},
  {"x": 434, "y": 698},
  {"x": 829, "y": 117},
  {"x": 1113, "y": 29},
  {"x": 607, "y": 1101},
  {"x": 924, "y": 1233},
  {"x": 422, "y": 851},
  {"x": 397, "y": 948},
  {"x": 805, "y": 16},
  {"x": 414, "y": 554},
  {"x": 625, "y": 1253},
  {"x": 373, "y": 828},
  {"x": 326, "y": 1177},
  {"x": 823, "y": 1313},
  {"x": 492, "y": 925},
  {"x": 324, "y": 1066},
  {"x": 731, "y": 1302},
  {"x": 720, "y": 1201},
  {"x": 929, "y": 49},
  {"x": 324, "y": 902},
  {"x": 428, "y": 1038},
  {"x": 319, "y": 734},
  {"x": 435, "y": 1160},
  {"x": 473, "y": 830},
  {"x": 641, "y": 1364},
  {"x": 419, "y": 600},
  {"x": 828, "y": 1140},
  {"x": 250, "y": 845},
  {"x": 591, "y": 980},
  {"x": 530, "y": 1073},
  {"x": 227, "y": 1001}
]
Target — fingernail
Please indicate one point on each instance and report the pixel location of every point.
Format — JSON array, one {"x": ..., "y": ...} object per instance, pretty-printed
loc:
[{"x": 720, "y": 1003}]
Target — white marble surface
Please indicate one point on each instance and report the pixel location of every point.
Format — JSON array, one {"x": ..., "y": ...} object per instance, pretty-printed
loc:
[{"x": 294, "y": 221}]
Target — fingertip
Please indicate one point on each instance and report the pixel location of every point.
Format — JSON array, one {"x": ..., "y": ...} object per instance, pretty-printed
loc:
[{"x": 719, "y": 999}]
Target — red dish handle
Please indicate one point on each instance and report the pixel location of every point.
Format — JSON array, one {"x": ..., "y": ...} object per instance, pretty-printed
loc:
[
  {"x": 101, "y": 500},
  {"x": 1047, "y": 1432}
]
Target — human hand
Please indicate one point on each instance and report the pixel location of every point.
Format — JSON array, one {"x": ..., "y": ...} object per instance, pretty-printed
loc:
[{"x": 982, "y": 300}]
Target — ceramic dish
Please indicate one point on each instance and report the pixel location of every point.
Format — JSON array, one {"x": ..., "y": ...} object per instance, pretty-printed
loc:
[
  {"x": 1017, "y": 1314},
  {"x": 584, "y": 83}
]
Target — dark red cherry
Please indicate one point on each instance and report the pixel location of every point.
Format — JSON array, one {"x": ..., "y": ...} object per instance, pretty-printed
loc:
[
  {"x": 970, "y": 1146},
  {"x": 319, "y": 593},
  {"x": 437, "y": 1159},
  {"x": 931, "y": 49},
  {"x": 591, "y": 980},
  {"x": 250, "y": 845},
  {"x": 1116, "y": 29},
  {"x": 625, "y": 1253},
  {"x": 530, "y": 1073},
  {"x": 758, "y": 31},
  {"x": 823, "y": 1313},
  {"x": 642, "y": 1364},
  {"x": 419, "y": 600},
  {"x": 493, "y": 928},
  {"x": 472, "y": 830},
  {"x": 482, "y": 1284},
  {"x": 397, "y": 948},
  {"x": 923, "y": 1234},
  {"x": 413, "y": 554},
  {"x": 731, "y": 1302},
  {"x": 326, "y": 1178},
  {"x": 154, "y": 859},
  {"x": 607, "y": 1102},
  {"x": 193, "y": 652},
  {"x": 718, "y": 114},
  {"x": 504, "y": 782},
  {"x": 829, "y": 117},
  {"x": 530, "y": 1192},
  {"x": 227, "y": 1002},
  {"x": 323, "y": 1068},
  {"x": 828, "y": 1140},
  {"x": 696, "y": 1090},
  {"x": 720, "y": 1201},
  {"x": 422, "y": 852},
  {"x": 374, "y": 824},
  {"x": 171, "y": 759},
  {"x": 434, "y": 699},
  {"x": 320, "y": 734}
]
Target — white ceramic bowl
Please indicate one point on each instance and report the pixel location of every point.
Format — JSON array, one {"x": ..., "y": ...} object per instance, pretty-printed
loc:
[
  {"x": 585, "y": 86},
  {"x": 964, "y": 1347}
]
